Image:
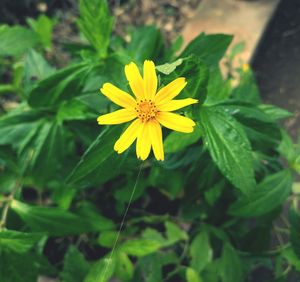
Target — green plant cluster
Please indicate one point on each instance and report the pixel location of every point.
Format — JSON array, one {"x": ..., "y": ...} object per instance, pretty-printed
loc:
[{"x": 221, "y": 207}]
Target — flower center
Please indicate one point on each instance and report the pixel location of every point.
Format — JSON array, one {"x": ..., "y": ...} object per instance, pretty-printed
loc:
[{"x": 146, "y": 110}]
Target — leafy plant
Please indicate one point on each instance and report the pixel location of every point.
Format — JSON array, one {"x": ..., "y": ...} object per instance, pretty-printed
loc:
[{"x": 215, "y": 210}]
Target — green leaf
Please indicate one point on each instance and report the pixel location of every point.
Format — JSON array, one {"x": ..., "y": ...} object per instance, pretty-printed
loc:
[
  {"x": 45, "y": 151},
  {"x": 177, "y": 141},
  {"x": 19, "y": 242},
  {"x": 174, "y": 233},
  {"x": 140, "y": 247},
  {"x": 152, "y": 234},
  {"x": 102, "y": 270},
  {"x": 146, "y": 44},
  {"x": 63, "y": 195},
  {"x": 228, "y": 147},
  {"x": 201, "y": 251},
  {"x": 89, "y": 211},
  {"x": 16, "y": 40},
  {"x": 96, "y": 24},
  {"x": 169, "y": 181},
  {"x": 75, "y": 266},
  {"x": 124, "y": 267},
  {"x": 291, "y": 258},
  {"x": 18, "y": 267},
  {"x": 35, "y": 69},
  {"x": 74, "y": 110},
  {"x": 17, "y": 126},
  {"x": 275, "y": 113},
  {"x": 196, "y": 73},
  {"x": 286, "y": 147},
  {"x": 149, "y": 269},
  {"x": 247, "y": 89},
  {"x": 8, "y": 88},
  {"x": 43, "y": 26},
  {"x": 107, "y": 238},
  {"x": 62, "y": 85},
  {"x": 210, "y": 48},
  {"x": 268, "y": 195},
  {"x": 56, "y": 221},
  {"x": 168, "y": 68},
  {"x": 294, "y": 219},
  {"x": 192, "y": 276},
  {"x": 95, "y": 156},
  {"x": 218, "y": 88},
  {"x": 230, "y": 265},
  {"x": 236, "y": 49},
  {"x": 214, "y": 193},
  {"x": 259, "y": 127}
]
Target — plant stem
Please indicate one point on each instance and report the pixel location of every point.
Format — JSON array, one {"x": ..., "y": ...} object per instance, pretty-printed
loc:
[{"x": 6, "y": 207}]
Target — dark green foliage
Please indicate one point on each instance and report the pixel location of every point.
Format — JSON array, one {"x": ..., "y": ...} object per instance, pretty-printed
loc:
[
  {"x": 228, "y": 146},
  {"x": 214, "y": 210}
]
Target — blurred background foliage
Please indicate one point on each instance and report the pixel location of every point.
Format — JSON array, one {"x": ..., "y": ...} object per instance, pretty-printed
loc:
[{"x": 223, "y": 206}]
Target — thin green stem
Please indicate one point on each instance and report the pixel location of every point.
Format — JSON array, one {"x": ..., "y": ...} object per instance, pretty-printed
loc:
[{"x": 8, "y": 202}]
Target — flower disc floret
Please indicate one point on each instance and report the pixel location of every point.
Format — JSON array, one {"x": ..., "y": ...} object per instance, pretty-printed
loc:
[{"x": 146, "y": 110}]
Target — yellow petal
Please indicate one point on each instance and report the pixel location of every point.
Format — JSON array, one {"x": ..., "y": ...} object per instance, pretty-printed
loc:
[
  {"x": 170, "y": 91},
  {"x": 117, "y": 117},
  {"x": 128, "y": 136},
  {"x": 135, "y": 80},
  {"x": 175, "y": 122},
  {"x": 156, "y": 139},
  {"x": 150, "y": 79},
  {"x": 176, "y": 104},
  {"x": 118, "y": 96},
  {"x": 143, "y": 144}
]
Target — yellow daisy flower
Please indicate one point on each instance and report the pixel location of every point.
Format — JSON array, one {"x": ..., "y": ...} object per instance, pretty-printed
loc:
[{"x": 149, "y": 110}]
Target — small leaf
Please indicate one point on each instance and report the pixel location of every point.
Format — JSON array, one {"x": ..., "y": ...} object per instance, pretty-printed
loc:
[
  {"x": 74, "y": 110},
  {"x": 16, "y": 40},
  {"x": 247, "y": 89},
  {"x": 268, "y": 195},
  {"x": 149, "y": 269},
  {"x": 192, "y": 276},
  {"x": 146, "y": 43},
  {"x": 286, "y": 147},
  {"x": 176, "y": 141},
  {"x": 17, "y": 126},
  {"x": 174, "y": 233},
  {"x": 218, "y": 89},
  {"x": 96, "y": 24},
  {"x": 294, "y": 218},
  {"x": 291, "y": 258},
  {"x": 140, "y": 247},
  {"x": 168, "y": 68},
  {"x": 102, "y": 270},
  {"x": 43, "y": 26},
  {"x": 107, "y": 238},
  {"x": 124, "y": 267},
  {"x": 274, "y": 112},
  {"x": 196, "y": 73},
  {"x": 56, "y": 221},
  {"x": 18, "y": 242},
  {"x": 35, "y": 69},
  {"x": 18, "y": 267},
  {"x": 75, "y": 266},
  {"x": 201, "y": 251},
  {"x": 230, "y": 265},
  {"x": 45, "y": 151}
]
